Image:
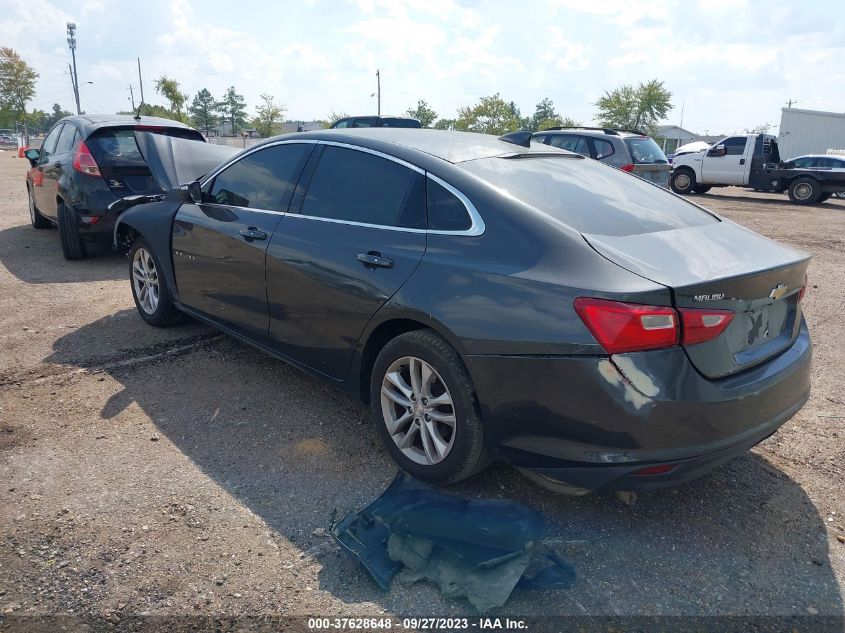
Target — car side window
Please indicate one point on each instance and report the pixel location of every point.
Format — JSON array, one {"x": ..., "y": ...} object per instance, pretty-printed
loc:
[
  {"x": 801, "y": 163},
  {"x": 570, "y": 142},
  {"x": 356, "y": 186},
  {"x": 446, "y": 212},
  {"x": 48, "y": 147},
  {"x": 342, "y": 124},
  {"x": 735, "y": 145},
  {"x": 603, "y": 148},
  {"x": 264, "y": 179},
  {"x": 540, "y": 138},
  {"x": 67, "y": 139}
]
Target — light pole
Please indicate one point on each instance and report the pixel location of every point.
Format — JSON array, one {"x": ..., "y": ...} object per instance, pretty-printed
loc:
[
  {"x": 378, "y": 91},
  {"x": 71, "y": 42}
]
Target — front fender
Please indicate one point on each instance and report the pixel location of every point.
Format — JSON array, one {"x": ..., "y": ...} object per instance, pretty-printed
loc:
[{"x": 154, "y": 223}]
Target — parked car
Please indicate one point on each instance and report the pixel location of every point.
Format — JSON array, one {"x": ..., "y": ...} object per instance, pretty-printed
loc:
[
  {"x": 489, "y": 300},
  {"x": 375, "y": 121},
  {"x": 816, "y": 161},
  {"x": 753, "y": 160},
  {"x": 628, "y": 150},
  {"x": 86, "y": 163}
]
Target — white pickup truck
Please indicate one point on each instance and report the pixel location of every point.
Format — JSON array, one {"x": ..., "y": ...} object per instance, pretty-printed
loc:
[{"x": 752, "y": 160}]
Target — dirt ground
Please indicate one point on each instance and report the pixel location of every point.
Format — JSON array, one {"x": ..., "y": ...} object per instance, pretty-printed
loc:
[{"x": 177, "y": 471}]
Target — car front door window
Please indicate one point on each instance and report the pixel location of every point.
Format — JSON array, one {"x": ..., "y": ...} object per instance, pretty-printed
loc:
[{"x": 48, "y": 147}]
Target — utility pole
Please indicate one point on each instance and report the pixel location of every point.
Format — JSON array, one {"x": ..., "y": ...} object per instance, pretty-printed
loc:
[
  {"x": 132, "y": 96},
  {"x": 378, "y": 91},
  {"x": 140, "y": 81},
  {"x": 789, "y": 103},
  {"x": 71, "y": 42},
  {"x": 680, "y": 127}
]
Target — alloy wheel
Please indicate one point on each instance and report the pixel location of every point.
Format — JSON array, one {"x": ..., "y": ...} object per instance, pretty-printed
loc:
[
  {"x": 682, "y": 181},
  {"x": 418, "y": 410},
  {"x": 145, "y": 280}
]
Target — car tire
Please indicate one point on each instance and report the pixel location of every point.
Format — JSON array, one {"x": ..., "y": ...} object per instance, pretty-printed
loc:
[
  {"x": 72, "y": 245},
  {"x": 824, "y": 197},
  {"x": 682, "y": 181},
  {"x": 804, "y": 191},
  {"x": 149, "y": 287},
  {"x": 439, "y": 443},
  {"x": 38, "y": 221},
  {"x": 702, "y": 188}
]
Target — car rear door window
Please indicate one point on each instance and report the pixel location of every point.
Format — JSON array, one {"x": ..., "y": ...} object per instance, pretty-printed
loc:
[
  {"x": 264, "y": 179},
  {"x": 570, "y": 142},
  {"x": 735, "y": 145},
  {"x": 446, "y": 212},
  {"x": 67, "y": 139},
  {"x": 356, "y": 186},
  {"x": 603, "y": 148}
]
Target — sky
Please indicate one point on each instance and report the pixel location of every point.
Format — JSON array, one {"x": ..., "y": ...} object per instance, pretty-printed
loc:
[{"x": 731, "y": 64}]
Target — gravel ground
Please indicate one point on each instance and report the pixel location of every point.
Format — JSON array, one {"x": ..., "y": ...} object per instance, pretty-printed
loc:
[{"x": 180, "y": 472}]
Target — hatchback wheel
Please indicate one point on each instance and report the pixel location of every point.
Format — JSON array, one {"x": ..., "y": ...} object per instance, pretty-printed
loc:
[
  {"x": 72, "y": 245},
  {"x": 38, "y": 221},
  {"x": 425, "y": 409},
  {"x": 149, "y": 287}
]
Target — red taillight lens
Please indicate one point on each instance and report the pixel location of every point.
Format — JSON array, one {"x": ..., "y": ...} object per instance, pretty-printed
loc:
[
  {"x": 90, "y": 219},
  {"x": 629, "y": 167},
  {"x": 628, "y": 327},
  {"x": 803, "y": 290},
  {"x": 84, "y": 162},
  {"x": 703, "y": 325}
]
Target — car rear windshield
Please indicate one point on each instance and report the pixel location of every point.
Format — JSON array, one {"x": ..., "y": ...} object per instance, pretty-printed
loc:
[
  {"x": 644, "y": 151},
  {"x": 113, "y": 146},
  {"x": 589, "y": 196}
]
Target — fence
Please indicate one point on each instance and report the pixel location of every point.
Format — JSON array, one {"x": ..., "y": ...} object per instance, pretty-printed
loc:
[{"x": 234, "y": 141}]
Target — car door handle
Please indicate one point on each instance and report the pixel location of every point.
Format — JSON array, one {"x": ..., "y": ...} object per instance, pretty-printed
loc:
[
  {"x": 253, "y": 234},
  {"x": 741, "y": 161},
  {"x": 374, "y": 260}
]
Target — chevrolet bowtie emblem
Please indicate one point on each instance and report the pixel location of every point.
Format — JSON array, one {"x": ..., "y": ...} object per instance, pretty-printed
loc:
[{"x": 778, "y": 291}]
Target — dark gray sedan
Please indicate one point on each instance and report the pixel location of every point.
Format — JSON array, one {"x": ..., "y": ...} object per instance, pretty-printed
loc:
[{"x": 489, "y": 300}]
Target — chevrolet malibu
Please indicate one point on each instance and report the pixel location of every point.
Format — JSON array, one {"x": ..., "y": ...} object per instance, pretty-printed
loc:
[{"x": 490, "y": 298}]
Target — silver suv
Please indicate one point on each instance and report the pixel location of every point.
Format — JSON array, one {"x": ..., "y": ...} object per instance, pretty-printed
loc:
[{"x": 629, "y": 150}]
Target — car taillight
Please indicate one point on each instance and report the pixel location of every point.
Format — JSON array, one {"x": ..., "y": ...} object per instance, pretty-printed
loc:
[
  {"x": 654, "y": 470},
  {"x": 703, "y": 325},
  {"x": 803, "y": 290},
  {"x": 628, "y": 327},
  {"x": 84, "y": 162},
  {"x": 90, "y": 219},
  {"x": 629, "y": 167}
]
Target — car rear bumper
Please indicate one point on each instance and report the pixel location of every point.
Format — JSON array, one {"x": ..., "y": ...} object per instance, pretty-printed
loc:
[{"x": 586, "y": 422}]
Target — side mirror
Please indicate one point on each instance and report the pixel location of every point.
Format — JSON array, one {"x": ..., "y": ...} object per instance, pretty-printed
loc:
[
  {"x": 32, "y": 155},
  {"x": 718, "y": 150},
  {"x": 191, "y": 192}
]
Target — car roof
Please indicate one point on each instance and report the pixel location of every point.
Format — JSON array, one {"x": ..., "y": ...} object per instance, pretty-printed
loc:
[
  {"x": 598, "y": 132},
  {"x": 93, "y": 121},
  {"x": 839, "y": 156},
  {"x": 448, "y": 145}
]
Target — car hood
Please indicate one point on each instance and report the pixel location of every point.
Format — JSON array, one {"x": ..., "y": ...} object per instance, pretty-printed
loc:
[{"x": 176, "y": 161}]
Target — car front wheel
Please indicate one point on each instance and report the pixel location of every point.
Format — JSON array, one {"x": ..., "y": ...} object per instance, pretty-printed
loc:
[
  {"x": 149, "y": 287},
  {"x": 682, "y": 181},
  {"x": 38, "y": 221},
  {"x": 425, "y": 409}
]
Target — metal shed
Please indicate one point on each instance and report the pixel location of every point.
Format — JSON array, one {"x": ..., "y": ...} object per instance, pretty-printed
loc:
[{"x": 810, "y": 132}]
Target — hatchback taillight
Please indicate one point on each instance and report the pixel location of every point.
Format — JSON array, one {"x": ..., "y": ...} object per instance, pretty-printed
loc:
[
  {"x": 84, "y": 162},
  {"x": 630, "y": 327}
]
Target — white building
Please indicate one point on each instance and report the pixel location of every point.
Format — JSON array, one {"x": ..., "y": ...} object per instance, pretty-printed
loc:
[{"x": 810, "y": 132}]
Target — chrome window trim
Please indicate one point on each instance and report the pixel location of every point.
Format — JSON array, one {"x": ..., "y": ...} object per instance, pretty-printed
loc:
[{"x": 477, "y": 226}]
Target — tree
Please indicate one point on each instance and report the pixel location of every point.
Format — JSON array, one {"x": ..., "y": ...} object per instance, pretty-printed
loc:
[
  {"x": 763, "y": 128},
  {"x": 423, "y": 113},
  {"x": 233, "y": 108},
  {"x": 202, "y": 110},
  {"x": 334, "y": 117},
  {"x": 635, "y": 108},
  {"x": 445, "y": 124},
  {"x": 17, "y": 83},
  {"x": 169, "y": 89},
  {"x": 491, "y": 115},
  {"x": 269, "y": 115},
  {"x": 545, "y": 116}
]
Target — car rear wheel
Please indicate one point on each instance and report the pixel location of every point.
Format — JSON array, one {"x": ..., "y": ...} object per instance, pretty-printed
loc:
[
  {"x": 824, "y": 197},
  {"x": 72, "y": 245},
  {"x": 149, "y": 287},
  {"x": 805, "y": 191},
  {"x": 682, "y": 181},
  {"x": 425, "y": 409},
  {"x": 38, "y": 221},
  {"x": 702, "y": 188}
]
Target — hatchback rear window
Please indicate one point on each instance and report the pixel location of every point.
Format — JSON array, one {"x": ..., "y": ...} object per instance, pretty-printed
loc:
[
  {"x": 589, "y": 196},
  {"x": 116, "y": 146},
  {"x": 644, "y": 151}
]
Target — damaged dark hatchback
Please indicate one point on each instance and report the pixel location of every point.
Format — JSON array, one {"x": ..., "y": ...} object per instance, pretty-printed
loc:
[{"x": 489, "y": 300}]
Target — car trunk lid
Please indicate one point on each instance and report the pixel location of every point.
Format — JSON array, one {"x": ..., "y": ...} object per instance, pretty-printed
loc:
[{"x": 721, "y": 266}]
